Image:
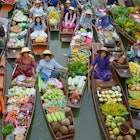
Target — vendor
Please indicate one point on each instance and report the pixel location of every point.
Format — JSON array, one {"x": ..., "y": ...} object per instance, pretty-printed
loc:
[
  {"x": 102, "y": 71},
  {"x": 69, "y": 19},
  {"x": 46, "y": 63},
  {"x": 25, "y": 63},
  {"x": 22, "y": 4},
  {"x": 37, "y": 9},
  {"x": 106, "y": 21},
  {"x": 111, "y": 2},
  {"x": 135, "y": 56},
  {"x": 86, "y": 21},
  {"x": 2, "y": 105},
  {"x": 129, "y": 3},
  {"x": 38, "y": 27},
  {"x": 66, "y": 8}
]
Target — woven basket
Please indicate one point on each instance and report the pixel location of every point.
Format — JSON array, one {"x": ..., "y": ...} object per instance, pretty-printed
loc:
[{"x": 16, "y": 29}]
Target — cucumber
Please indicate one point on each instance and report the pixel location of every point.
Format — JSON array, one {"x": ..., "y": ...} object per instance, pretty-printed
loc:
[
  {"x": 62, "y": 115},
  {"x": 57, "y": 116},
  {"x": 69, "y": 81},
  {"x": 53, "y": 117},
  {"x": 49, "y": 118}
]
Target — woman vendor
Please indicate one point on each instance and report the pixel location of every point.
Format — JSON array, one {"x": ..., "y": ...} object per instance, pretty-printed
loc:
[
  {"x": 38, "y": 28},
  {"x": 22, "y": 4},
  {"x": 26, "y": 63},
  {"x": 135, "y": 56},
  {"x": 66, "y": 8},
  {"x": 102, "y": 71},
  {"x": 106, "y": 21},
  {"x": 37, "y": 9},
  {"x": 69, "y": 19},
  {"x": 2, "y": 105},
  {"x": 86, "y": 21},
  {"x": 46, "y": 63}
]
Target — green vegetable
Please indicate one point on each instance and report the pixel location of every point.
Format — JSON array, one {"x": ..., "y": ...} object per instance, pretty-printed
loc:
[
  {"x": 49, "y": 118},
  {"x": 53, "y": 117},
  {"x": 57, "y": 116},
  {"x": 8, "y": 129},
  {"x": 69, "y": 81},
  {"x": 62, "y": 115}
]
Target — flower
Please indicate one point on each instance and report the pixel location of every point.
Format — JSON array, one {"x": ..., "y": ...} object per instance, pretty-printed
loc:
[{"x": 75, "y": 96}]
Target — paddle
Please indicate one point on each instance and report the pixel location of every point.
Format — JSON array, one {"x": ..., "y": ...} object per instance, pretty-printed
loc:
[{"x": 88, "y": 79}]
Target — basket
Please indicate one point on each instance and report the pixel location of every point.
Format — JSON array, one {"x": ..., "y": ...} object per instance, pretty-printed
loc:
[
  {"x": 127, "y": 127},
  {"x": 16, "y": 28}
]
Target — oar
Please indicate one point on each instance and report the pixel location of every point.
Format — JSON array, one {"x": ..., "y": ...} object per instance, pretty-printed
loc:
[{"x": 88, "y": 79}]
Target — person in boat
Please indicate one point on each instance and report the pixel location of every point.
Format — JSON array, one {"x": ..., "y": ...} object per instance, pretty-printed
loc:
[
  {"x": 2, "y": 105},
  {"x": 102, "y": 61},
  {"x": 37, "y": 9},
  {"x": 69, "y": 19},
  {"x": 106, "y": 21},
  {"x": 135, "y": 56},
  {"x": 111, "y": 2},
  {"x": 22, "y": 4},
  {"x": 38, "y": 27},
  {"x": 46, "y": 66},
  {"x": 66, "y": 8},
  {"x": 25, "y": 63},
  {"x": 86, "y": 21},
  {"x": 129, "y": 3},
  {"x": 2, "y": 32}
]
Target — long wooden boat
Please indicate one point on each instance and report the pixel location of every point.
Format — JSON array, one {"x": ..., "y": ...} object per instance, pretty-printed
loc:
[
  {"x": 18, "y": 34},
  {"x": 98, "y": 86},
  {"x": 46, "y": 111},
  {"x": 20, "y": 105}
]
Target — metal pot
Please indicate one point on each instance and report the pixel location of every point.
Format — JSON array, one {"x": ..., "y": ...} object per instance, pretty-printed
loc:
[{"x": 109, "y": 40}]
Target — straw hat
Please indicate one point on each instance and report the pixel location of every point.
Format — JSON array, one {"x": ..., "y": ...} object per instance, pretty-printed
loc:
[
  {"x": 67, "y": 1},
  {"x": 48, "y": 52},
  {"x": 37, "y": 1},
  {"x": 71, "y": 8},
  {"x": 89, "y": 12},
  {"x": 25, "y": 49},
  {"x": 103, "y": 49},
  {"x": 37, "y": 15}
]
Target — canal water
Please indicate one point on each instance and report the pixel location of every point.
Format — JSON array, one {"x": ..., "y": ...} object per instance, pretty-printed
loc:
[{"x": 86, "y": 121}]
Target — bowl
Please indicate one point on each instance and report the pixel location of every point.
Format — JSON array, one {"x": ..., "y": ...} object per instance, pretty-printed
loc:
[{"x": 124, "y": 128}]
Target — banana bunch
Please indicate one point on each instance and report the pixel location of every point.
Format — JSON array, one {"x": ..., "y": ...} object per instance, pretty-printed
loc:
[
  {"x": 132, "y": 9},
  {"x": 40, "y": 39},
  {"x": 134, "y": 68},
  {"x": 74, "y": 52},
  {"x": 80, "y": 57},
  {"x": 54, "y": 14}
]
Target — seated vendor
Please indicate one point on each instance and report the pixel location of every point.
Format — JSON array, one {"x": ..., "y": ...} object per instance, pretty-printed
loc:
[
  {"x": 66, "y": 8},
  {"x": 46, "y": 66},
  {"x": 2, "y": 105},
  {"x": 135, "y": 56},
  {"x": 86, "y": 21},
  {"x": 25, "y": 63},
  {"x": 102, "y": 71},
  {"x": 106, "y": 21},
  {"x": 22, "y": 4},
  {"x": 69, "y": 19}
]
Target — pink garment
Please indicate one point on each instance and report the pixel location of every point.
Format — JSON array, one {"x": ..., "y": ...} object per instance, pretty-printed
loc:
[{"x": 69, "y": 27}]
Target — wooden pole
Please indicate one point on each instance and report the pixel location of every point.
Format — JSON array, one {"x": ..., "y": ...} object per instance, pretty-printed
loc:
[{"x": 88, "y": 78}]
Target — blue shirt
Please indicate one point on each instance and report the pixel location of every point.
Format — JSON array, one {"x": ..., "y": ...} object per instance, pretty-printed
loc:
[
  {"x": 66, "y": 10},
  {"x": 38, "y": 27},
  {"x": 51, "y": 64},
  {"x": 74, "y": 4},
  {"x": 105, "y": 21},
  {"x": 22, "y": 4}
]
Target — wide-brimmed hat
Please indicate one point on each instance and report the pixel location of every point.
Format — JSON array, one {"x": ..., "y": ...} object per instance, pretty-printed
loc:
[
  {"x": 37, "y": 1},
  {"x": 48, "y": 52},
  {"x": 67, "y": 1},
  {"x": 103, "y": 49},
  {"x": 37, "y": 15},
  {"x": 25, "y": 49},
  {"x": 71, "y": 8},
  {"x": 89, "y": 12}
]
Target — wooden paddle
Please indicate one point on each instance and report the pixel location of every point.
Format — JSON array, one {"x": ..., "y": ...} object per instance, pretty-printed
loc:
[{"x": 88, "y": 79}]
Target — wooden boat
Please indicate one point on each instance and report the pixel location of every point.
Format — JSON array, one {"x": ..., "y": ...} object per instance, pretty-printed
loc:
[
  {"x": 17, "y": 38},
  {"x": 46, "y": 112},
  {"x": 98, "y": 86},
  {"x": 38, "y": 48},
  {"x": 26, "y": 107}
]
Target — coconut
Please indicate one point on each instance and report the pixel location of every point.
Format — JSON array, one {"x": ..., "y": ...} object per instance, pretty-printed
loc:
[
  {"x": 19, "y": 137},
  {"x": 64, "y": 130},
  {"x": 127, "y": 137},
  {"x": 65, "y": 122},
  {"x": 120, "y": 138},
  {"x": 132, "y": 131},
  {"x": 58, "y": 134},
  {"x": 67, "y": 111},
  {"x": 71, "y": 129},
  {"x": 70, "y": 119},
  {"x": 55, "y": 126}
]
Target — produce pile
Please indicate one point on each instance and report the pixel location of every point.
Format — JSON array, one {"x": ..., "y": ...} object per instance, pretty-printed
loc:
[
  {"x": 54, "y": 103},
  {"x": 15, "y": 43},
  {"x": 134, "y": 85},
  {"x": 54, "y": 17},
  {"x": 115, "y": 113},
  {"x": 130, "y": 26},
  {"x": 40, "y": 39},
  {"x": 19, "y": 109}
]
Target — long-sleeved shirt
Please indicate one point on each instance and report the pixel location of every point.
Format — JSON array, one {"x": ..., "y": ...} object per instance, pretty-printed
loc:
[
  {"x": 37, "y": 11},
  {"x": 38, "y": 27},
  {"x": 87, "y": 22},
  {"x": 136, "y": 52},
  {"x": 105, "y": 21},
  {"x": 74, "y": 4},
  {"x": 22, "y": 4},
  {"x": 71, "y": 20},
  {"x": 51, "y": 64},
  {"x": 111, "y": 2}
]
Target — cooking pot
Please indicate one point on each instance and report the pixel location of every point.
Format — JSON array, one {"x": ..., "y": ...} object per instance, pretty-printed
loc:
[{"x": 109, "y": 40}]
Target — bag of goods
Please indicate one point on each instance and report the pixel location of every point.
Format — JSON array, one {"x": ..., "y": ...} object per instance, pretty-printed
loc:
[
  {"x": 19, "y": 137},
  {"x": 10, "y": 137},
  {"x": 19, "y": 130},
  {"x": 40, "y": 39}
]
